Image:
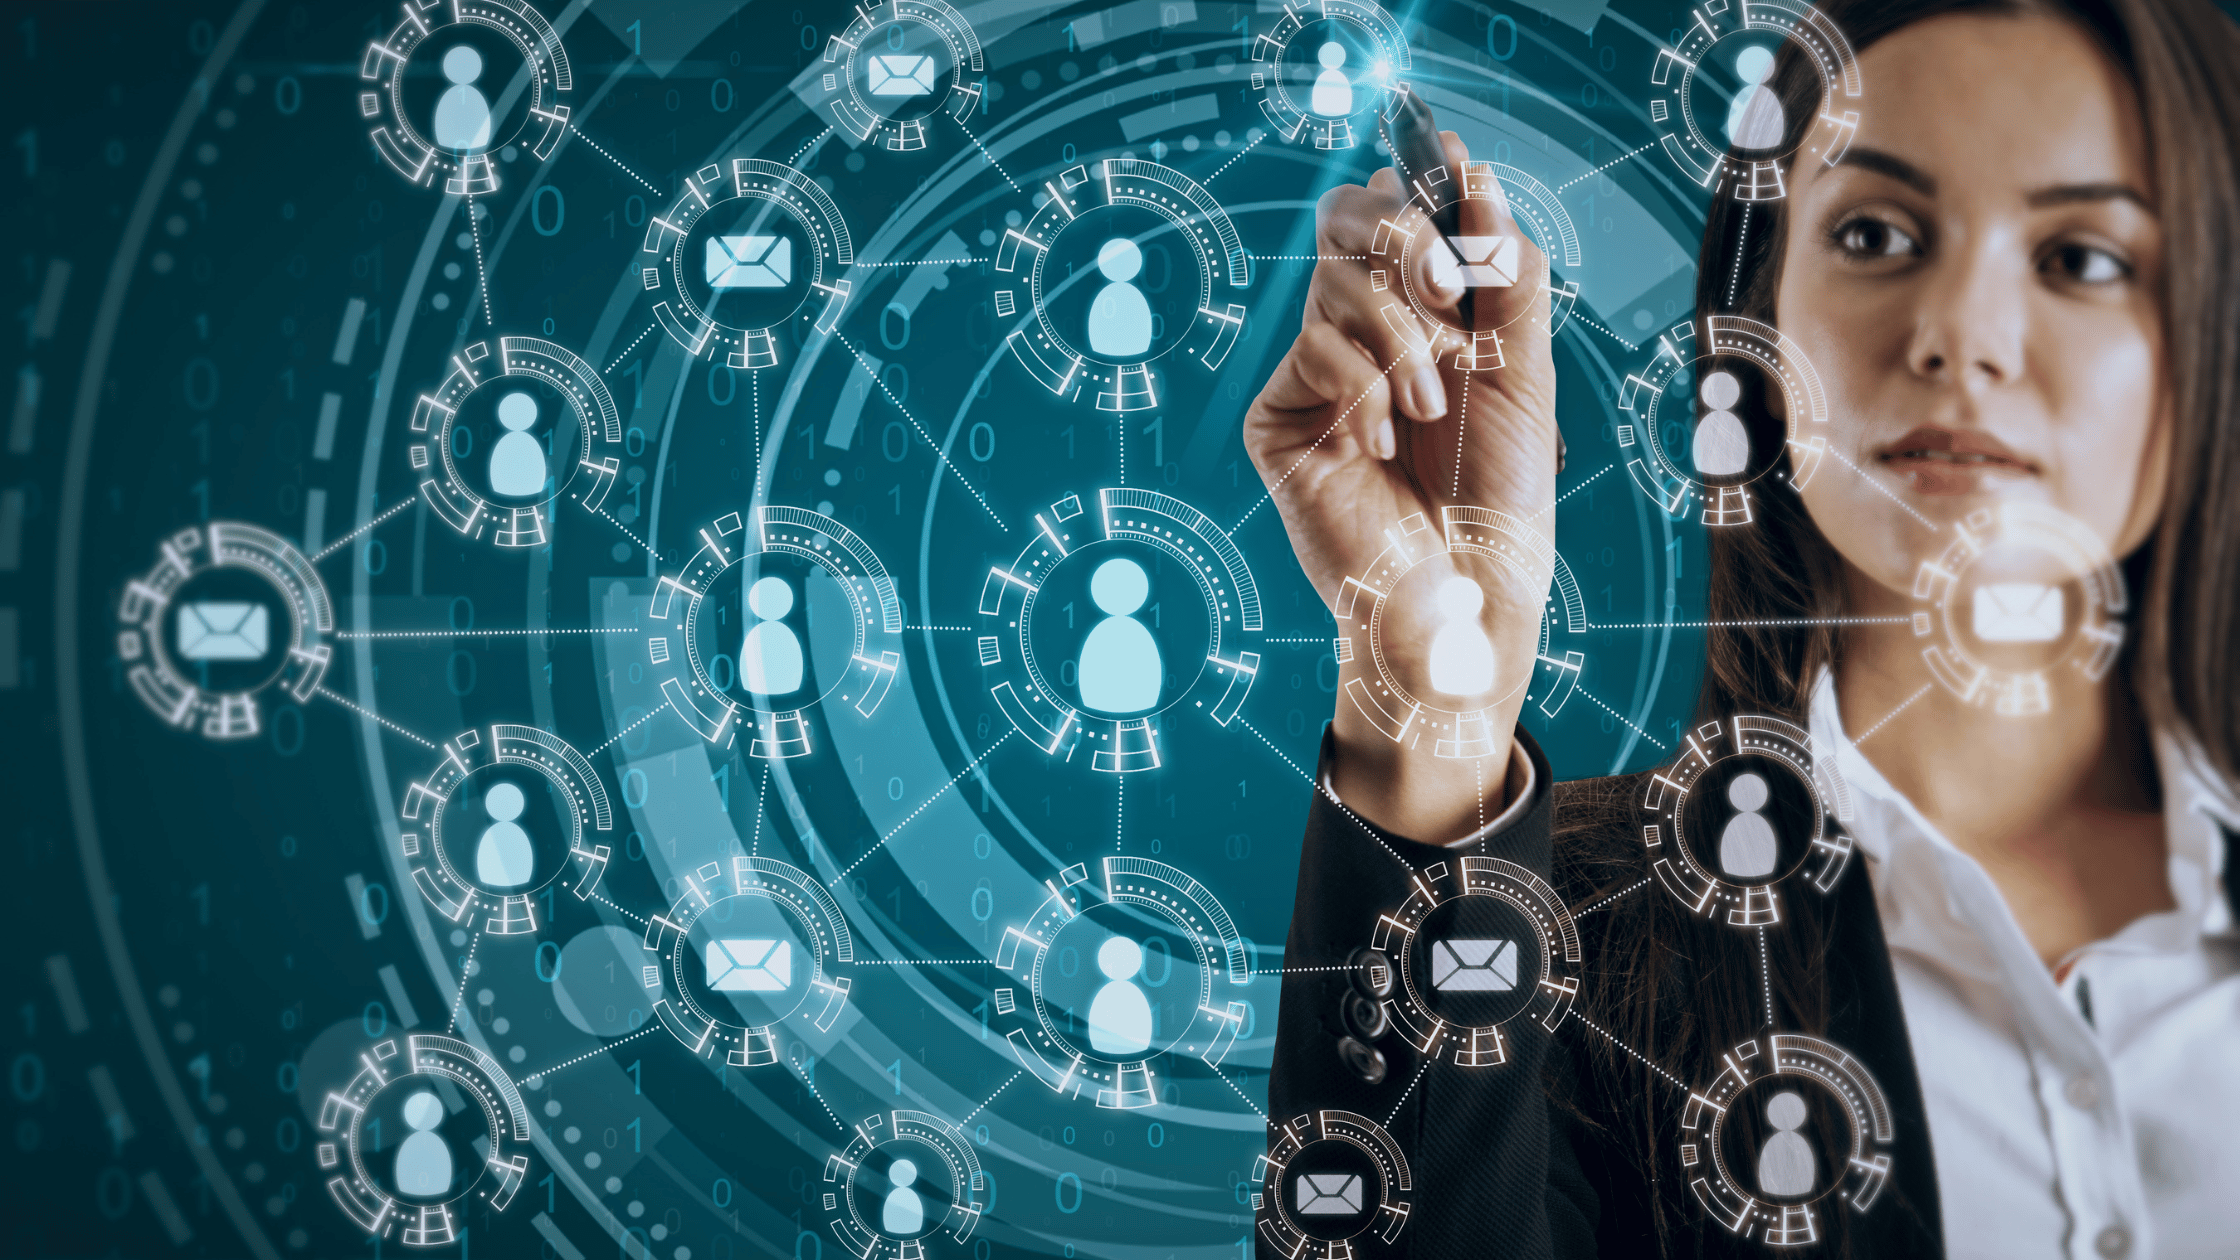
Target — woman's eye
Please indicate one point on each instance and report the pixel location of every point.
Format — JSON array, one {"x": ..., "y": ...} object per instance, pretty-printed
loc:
[
  {"x": 1873, "y": 238},
  {"x": 2085, "y": 264}
]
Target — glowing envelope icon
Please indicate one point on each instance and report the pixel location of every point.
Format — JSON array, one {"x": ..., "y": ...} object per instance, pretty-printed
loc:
[
  {"x": 901, "y": 76},
  {"x": 749, "y": 966},
  {"x": 2018, "y": 612},
  {"x": 1464, "y": 965},
  {"x": 1476, "y": 262},
  {"x": 1327, "y": 1194},
  {"x": 211, "y": 630}
]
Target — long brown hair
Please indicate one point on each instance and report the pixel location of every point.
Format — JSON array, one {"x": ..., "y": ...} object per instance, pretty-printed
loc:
[{"x": 1682, "y": 990}]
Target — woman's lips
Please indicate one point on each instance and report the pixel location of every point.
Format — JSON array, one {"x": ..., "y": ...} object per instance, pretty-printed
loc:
[{"x": 1951, "y": 461}]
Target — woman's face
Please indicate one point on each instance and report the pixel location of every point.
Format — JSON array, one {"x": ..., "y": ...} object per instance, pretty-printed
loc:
[{"x": 1979, "y": 285}]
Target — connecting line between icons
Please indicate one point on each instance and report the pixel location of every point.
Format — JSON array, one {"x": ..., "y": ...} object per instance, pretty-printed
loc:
[
  {"x": 466, "y": 970},
  {"x": 474, "y": 230},
  {"x": 572, "y": 130},
  {"x": 1249, "y": 145},
  {"x": 991, "y": 1098},
  {"x": 1604, "y": 331},
  {"x": 990, "y": 156},
  {"x": 642, "y": 543},
  {"x": 805, "y": 1079},
  {"x": 363, "y": 711},
  {"x": 633, "y": 726},
  {"x": 1421, "y": 1068},
  {"x": 1613, "y": 1040},
  {"x": 344, "y": 541},
  {"x": 1612, "y": 899},
  {"x": 938, "y": 454},
  {"x": 761, "y": 806},
  {"x": 1750, "y": 624},
  {"x": 1607, "y": 165},
  {"x": 925, "y": 804},
  {"x": 1366, "y": 829},
  {"x": 1568, "y": 493},
  {"x": 1621, "y": 717},
  {"x": 1334, "y": 427},
  {"x": 1461, "y": 430},
  {"x": 1903, "y": 705},
  {"x": 1241, "y": 1094},
  {"x": 632, "y": 346},
  {"x": 958, "y": 629},
  {"x": 602, "y": 900},
  {"x": 1765, "y": 973},
  {"x": 1119, "y": 810},
  {"x": 541, "y": 1075},
  {"x": 1741, "y": 251},
  {"x": 1886, "y": 491},
  {"x": 493, "y": 633},
  {"x": 814, "y": 141}
]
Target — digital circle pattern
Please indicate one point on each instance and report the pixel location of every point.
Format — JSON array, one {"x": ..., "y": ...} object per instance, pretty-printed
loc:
[
  {"x": 1209, "y": 1021},
  {"x": 1687, "y": 471},
  {"x": 1038, "y": 705},
  {"x": 1375, "y": 93},
  {"x": 856, "y": 1212},
  {"x": 1066, "y": 360},
  {"x": 1345, "y": 1155},
  {"x": 882, "y": 87},
  {"x": 470, "y": 494},
  {"x": 1803, "y": 796},
  {"x": 450, "y": 1068},
  {"x": 802, "y": 925},
  {"x": 2022, "y": 590},
  {"x": 788, "y": 261},
  {"x": 538, "y": 122},
  {"x": 1706, "y": 152},
  {"x": 209, "y": 605},
  {"x": 458, "y": 894},
  {"x": 1721, "y": 1129},
  {"x": 1495, "y": 903},
  {"x": 1403, "y": 244},
  {"x": 677, "y": 647}
]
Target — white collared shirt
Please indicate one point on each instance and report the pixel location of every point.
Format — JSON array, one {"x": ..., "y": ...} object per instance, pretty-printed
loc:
[{"x": 2054, "y": 1135}]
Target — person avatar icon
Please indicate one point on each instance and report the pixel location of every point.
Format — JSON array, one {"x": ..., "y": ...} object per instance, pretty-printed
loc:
[
  {"x": 1755, "y": 119},
  {"x": 1120, "y": 1016},
  {"x": 462, "y": 112},
  {"x": 904, "y": 1212},
  {"x": 1461, "y": 654},
  {"x": 1120, "y": 667},
  {"x": 424, "y": 1160},
  {"x": 1748, "y": 848},
  {"x": 1120, "y": 318},
  {"x": 770, "y": 662},
  {"x": 1722, "y": 446},
  {"x": 504, "y": 858},
  {"x": 517, "y": 460},
  {"x": 1787, "y": 1167},
  {"x": 1333, "y": 91}
]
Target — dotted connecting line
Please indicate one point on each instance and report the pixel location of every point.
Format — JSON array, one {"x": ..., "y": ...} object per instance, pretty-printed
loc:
[
  {"x": 1241, "y": 1094},
  {"x": 814, "y": 141},
  {"x": 990, "y": 156},
  {"x": 1309, "y": 257},
  {"x": 1568, "y": 493},
  {"x": 1743, "y": 625},
  {"x": 822, "y": 1103},
  {"x": 642, "y": 543},
  {"x": 923, "y": 962},
  {"x": 924, "y": 262},
  {"x": 931, "y": 445},
  {"x": 761, "y": 807},
  {"x": 1629, "y": 1050},
  {"x": 1335, "y": 425},
  {"x": 1741, "y": 251},
  {"x": 1613, "y": 898},
  {"x": 1621, "y": 717},
  {"x": 539, "y": 1076},
  {"x": 923, "y": 805},
  {"x": 474, "y": 229},
  {"x": 634, "y": 726},
  {"x": 958, "y": 629},
  {"x": 1119, "y": 811},
  {"x": 1298, "y": 971},
  {"x": 632, "y": 346},
  {"x": 618, "y": 161},
  {"x": 992, "y": 1097},
  {"x": 1765, "y": 973},
  {"x": 344, "y": 541},
  {"x": 1604, "y": 331},
  {"x": 362, "y": 711},
  {"x": 1887, "y": 491},
  {"x": 1607, "y": 165},
  {"x": 466, "y": 970},
  {"x": 1366, "y": 829},
  {"x": 1233, "y": 160},
  {"x": 1421, "y": 1068},
  {"x": 1322, "y": 639},
  {"x": 1902, "y": 707},
  {"x": 479, "y": 634},
  {"x": 1461, "y": 429},
  {"x": 602, "y": 900}
]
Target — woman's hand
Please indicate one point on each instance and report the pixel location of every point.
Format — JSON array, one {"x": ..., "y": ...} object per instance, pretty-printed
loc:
[{"x": 1358, "y": 430}]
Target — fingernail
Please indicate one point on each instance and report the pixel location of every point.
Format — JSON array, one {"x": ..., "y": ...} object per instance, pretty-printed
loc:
[
  {"x": 1431, "y": 394},
  {"x": 1388, "y": 445}
]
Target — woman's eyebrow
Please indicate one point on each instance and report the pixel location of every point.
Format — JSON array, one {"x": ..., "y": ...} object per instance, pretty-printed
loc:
[
  {"x": 2071, "y": 194},
  {"x": 1892, "y": 165}
]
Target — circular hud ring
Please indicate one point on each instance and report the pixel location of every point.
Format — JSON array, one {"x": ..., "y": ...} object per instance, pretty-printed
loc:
[
  {"x": 437, "y": 869},
  {"x": 854, "y": 1194},
  {"x": 451, "y": 1067},
  {"x": 787, "y": 259},
  {"x": 207, "y": 608},
  {"x": 1475, "y": 953},
  {"x": 1149, "y": 525},
  {"x": 495, "y": 488},
  {"x": 1791, "y": 1122},
  {"x": 1332, "y": 1176},
  {"x": 1212, "y": 1019},
  {"x": 1682, "y": 457},
  {"x": 800, "y": 965},
  {"x": 1408, "y": 242},
  {"x": 428, "y": 28},
  {"x": 1741, "y": 146},
  {"x": 2022, "y": 590},
  {"x": 1745, "y": 806},
  {"x": 882, "y": 85},
  {"x": 1154, "y": 200},
  {"x": 1334, "y": 107},
  {"x": 681, "y": 645}
]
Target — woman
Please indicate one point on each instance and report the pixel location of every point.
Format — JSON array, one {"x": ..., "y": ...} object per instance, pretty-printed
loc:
[{"x": 2017, "y": 288}]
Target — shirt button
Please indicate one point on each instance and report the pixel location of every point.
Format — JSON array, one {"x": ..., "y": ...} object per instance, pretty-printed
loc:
[
  {"x": 2112, "y": 1242},
  {"x": 2083, "y": 1093}
]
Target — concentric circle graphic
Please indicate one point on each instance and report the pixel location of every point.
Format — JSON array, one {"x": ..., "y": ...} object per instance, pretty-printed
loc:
[
  {"x": 438, "y": 75},
  {"x": 1704, "y": 460},
  {"x": 1793, "y": 1124},
  {"x": 1750, "y": 802}
]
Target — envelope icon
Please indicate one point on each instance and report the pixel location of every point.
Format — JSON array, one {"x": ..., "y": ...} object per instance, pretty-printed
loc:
[
  {"x": 2018, "y": 612},
  {"x": 901, "y": 76},
  {"x": 1327, "y": 1194},
  {"x": 750, "y": 262},
  {"x": 212, "y": 630},
  {"x": 1475, "y": 262},
  {"x": 750, "y": 965},
  {"x": 1470, "y": 965}
]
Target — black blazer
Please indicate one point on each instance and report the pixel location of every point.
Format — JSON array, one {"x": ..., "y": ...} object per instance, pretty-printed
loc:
[{"x": 1570, "y": 1147}]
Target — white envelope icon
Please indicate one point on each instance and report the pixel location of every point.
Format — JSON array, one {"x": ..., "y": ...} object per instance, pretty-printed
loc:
[
  {"x": 1468, "y": 965},
  {"x": 1476, "y": 262},
  {"x": 750, "y": 262},
  {"x": 901, "y": 76},
  {"x": 2018, "y": 612},
  {"x": 223, "y": 631},
  {"x": 750, "y": 965},
  {"x": 1327, "y": 1194}
]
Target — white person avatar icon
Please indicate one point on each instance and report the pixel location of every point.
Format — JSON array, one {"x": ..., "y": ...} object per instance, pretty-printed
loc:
[
  {"x": 1748, "y": 847},
  {"x": 1461, "y": 654},
  {"x": 462, "y": 112},
  {"x": 1120, "y": 667},
  {"x": 904, "y": 1211},
  {"x": 1120, "y": 318},
  {"x": 1333, "y": 92},
  {"x": 423, "y": 1160},
  {"x": 1722, "y": 445},
  {"x": 770, "y": 660},
  {"x": 1787, "y": 1167},
  {"x": 1754, "y": 120},
  {"x": 504, "y": 858},
  {"x": 517, "y": 459},
  {"x": 1120, "y": 1016}
]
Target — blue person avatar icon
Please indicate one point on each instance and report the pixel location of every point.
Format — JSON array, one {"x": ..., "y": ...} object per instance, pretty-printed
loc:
[
  {"x": 1120, "y": 667},
  {"x": 1120, "y": 318},
  {"x": 904, "y": 1211},
  {"x": 1721, "y": 447},
  {"x": 1120, "y": 1015},
  {"x": 517, "y": 459},
  {"x": 1755, "y": 119},
  {"x": 504, "y": 858},
  {"x": 423, "y": 1160},
  {"x": 462, "y": 113},
  {"x": 1748, "y": 847},
  {"x": 1333, "y": 91},
  {"x": 770, "y": 661},
  {"x": 1787, "y": 1166}
]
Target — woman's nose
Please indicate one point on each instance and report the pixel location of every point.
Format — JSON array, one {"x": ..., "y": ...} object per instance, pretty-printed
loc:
[{"x": 1969, "y": 327}]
